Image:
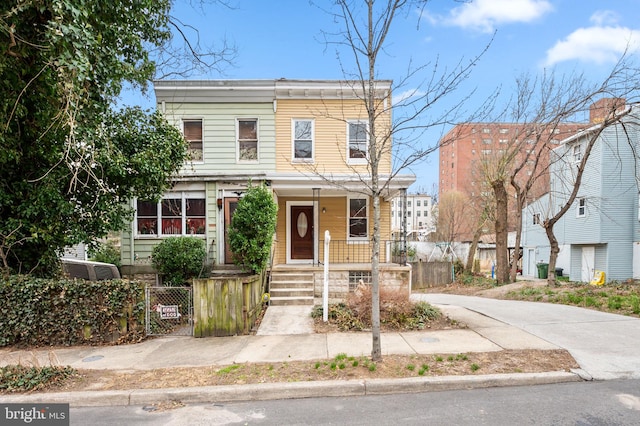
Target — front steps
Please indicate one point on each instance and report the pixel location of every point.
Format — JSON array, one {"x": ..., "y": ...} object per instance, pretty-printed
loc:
[{"x": 291, "y": 288}]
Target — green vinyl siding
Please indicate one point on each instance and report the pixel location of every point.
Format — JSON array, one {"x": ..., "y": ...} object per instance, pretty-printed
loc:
[{"x": 219, "y": 135}]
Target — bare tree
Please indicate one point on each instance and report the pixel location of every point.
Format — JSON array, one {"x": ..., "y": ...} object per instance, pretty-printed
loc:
[
  {"x": 544, "y": 111},
  {"x": 614, "y": 113},
  {"x": 365, "y": 27},
  {"x": 452, "y": 211},
  {"x": 184, "y": 54}
]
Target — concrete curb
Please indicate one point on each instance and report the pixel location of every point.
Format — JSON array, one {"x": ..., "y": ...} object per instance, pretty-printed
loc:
[{"x": 272, "y": 391}]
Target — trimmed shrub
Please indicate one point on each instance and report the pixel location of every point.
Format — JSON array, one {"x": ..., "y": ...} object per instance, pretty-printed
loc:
[
  {"x": 252, "y": 228},
  {"x": 179, "y": 259}
]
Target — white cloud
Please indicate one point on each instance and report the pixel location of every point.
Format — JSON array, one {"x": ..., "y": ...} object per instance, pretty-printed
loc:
[
  {"x": 485, "y": 15},
  {"x": 601, "y": 43},
  {"x": 604, "y": 17},
  {"x": 407, "y": 95}
]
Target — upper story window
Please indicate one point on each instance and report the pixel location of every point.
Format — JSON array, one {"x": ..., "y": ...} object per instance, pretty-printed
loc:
[
  {"x": 486, "y": 130},
  {"x": 357, "y": 138},
  {"x": 302, "y": 140},
  {"x": 536, "y": 218},
  {"x": 247, "y": 134},
  {"x": 176, "y": 214},
  {"x": 486, "y": 141},
  {"x": 408, "y": 203},
  {"x": 581, "y": 209},
  {"x": 358, "y": 219},
  {"x": 417, "y": 203},
  {"x": 192, "y": 129},
  {"x": 577, "y": 153},
  {"x": 504, "y": 130}
]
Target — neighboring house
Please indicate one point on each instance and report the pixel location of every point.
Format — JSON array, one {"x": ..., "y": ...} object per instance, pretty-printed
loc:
[
  {"x": 79, "y": 251},
  {"x": 418, "y": 211},
  {"x": 601, "y": 231},
  {"x": 306, "y": 139}
]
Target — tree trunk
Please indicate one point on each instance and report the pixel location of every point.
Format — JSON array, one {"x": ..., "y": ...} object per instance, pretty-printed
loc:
[
  {"x": 555, "y": 249},
  {"x": 516, "y": 249},
  {"x": 376, "y": 350},
  {"x": 472, "y": 250},
  {"x": 502, "y": 251}
]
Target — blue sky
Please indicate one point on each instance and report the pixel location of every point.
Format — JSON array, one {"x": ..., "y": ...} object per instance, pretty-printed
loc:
[{"x": 284, "y": 38}]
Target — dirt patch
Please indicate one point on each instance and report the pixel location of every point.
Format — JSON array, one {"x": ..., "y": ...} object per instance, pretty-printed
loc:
[{"x": 341, "y": 368}]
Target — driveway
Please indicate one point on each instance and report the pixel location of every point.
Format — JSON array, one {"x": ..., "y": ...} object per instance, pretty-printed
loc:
[{"x": 607, "y": 346}]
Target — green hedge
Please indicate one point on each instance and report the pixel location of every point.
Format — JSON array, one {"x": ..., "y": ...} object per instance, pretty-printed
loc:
[{"x": 43, "y": 312}]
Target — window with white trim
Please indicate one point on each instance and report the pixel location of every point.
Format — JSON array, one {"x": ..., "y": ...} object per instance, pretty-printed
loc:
[
  {"x": 192, "y": 130},
  {"x": 581, "y": 207},
  {"x": 247, "y": 136},
  {"x": 536, "y": 218},
  {"x": 357, "y": 140},
  {"x": 176, "y": 214},
  {"x": 577, "y": 153},
  {"x": 358, "y": 219},
  {"x": 302, "y": 140}
]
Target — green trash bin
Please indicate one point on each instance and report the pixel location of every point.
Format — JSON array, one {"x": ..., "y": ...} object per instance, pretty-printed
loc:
[{"x": 543, "y": 270}]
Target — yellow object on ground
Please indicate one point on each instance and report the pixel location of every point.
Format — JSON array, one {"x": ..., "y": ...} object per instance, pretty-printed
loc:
[{"x": 598, "y": 278}]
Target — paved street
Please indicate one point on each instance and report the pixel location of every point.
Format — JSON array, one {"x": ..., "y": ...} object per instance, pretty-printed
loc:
[{"x": 607, "y": 403}]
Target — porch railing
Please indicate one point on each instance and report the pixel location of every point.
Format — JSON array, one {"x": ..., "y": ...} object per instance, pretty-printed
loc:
[{"x": 344, "y": 251}]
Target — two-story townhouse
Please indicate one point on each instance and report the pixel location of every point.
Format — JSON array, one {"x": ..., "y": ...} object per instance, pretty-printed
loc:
[
  {"x": 307, "y": 140},
  {"x": 601, "y": 231}
]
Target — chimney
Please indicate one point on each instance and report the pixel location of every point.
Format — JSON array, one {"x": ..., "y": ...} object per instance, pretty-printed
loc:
[{"x": 604, "y": 108}]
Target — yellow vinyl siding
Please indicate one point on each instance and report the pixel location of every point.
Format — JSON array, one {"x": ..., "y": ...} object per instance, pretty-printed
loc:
[
  {"x": 335, "y": 221},
  {"x": 330, "y": 134}
]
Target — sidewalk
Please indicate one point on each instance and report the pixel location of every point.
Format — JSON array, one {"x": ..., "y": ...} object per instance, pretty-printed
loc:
[
  {"x": 484, "y": 334},
  {"x": 604, "y": 345}
]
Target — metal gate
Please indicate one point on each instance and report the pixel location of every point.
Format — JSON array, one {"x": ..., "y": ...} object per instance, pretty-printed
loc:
[{"x": 169, "y": 311}]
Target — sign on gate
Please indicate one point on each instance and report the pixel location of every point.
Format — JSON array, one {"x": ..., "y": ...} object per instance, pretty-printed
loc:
[{"x": 169, "y": 311}]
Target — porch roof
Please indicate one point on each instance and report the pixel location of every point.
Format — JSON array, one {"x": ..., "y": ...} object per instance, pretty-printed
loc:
[{"x": 295, "y": 184}]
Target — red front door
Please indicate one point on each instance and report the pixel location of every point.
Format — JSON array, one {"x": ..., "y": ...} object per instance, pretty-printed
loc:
[{"x": 301, "y": 231}]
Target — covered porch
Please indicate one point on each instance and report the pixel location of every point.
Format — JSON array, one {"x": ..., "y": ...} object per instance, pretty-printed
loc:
[{"x": 322, "y": 222}]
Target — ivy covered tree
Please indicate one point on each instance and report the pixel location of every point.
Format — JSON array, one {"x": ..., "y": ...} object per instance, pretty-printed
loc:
[
  {"x": 252, "y": 228},
  {"x": 68, "y": 161}
]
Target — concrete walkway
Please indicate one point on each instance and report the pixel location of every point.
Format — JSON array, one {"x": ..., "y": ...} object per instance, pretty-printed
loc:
[{"x": 607, "y": 346}]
